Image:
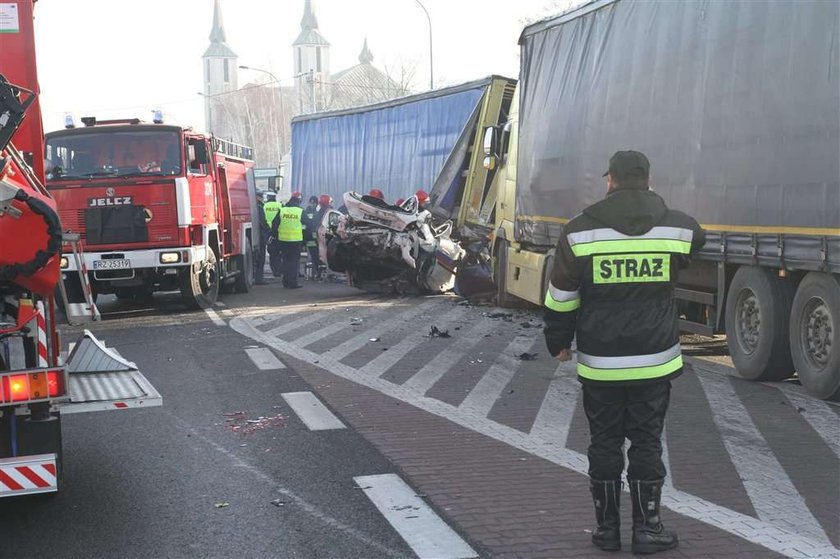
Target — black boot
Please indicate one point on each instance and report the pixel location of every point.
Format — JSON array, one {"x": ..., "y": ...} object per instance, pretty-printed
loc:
[
  {"x": 605, "y": 494},
  {"x": 649, "y": 535}
]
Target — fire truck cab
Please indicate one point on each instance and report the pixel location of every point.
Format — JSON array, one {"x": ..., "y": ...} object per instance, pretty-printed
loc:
[{"x": 158, "y": 208}]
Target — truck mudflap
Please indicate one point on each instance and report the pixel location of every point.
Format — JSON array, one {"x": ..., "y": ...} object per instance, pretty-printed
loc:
[
  {"x": 28, "y": 475},
  {"x": 100, "y": 379}
]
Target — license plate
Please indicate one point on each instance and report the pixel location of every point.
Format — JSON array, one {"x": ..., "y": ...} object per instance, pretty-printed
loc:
[{"x": 116, "y": 264}]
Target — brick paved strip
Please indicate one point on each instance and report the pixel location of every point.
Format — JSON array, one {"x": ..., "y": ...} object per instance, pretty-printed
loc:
[
  {"x": 357, "y": 342},
  {"x": 768, "y": 486},
  {"x": 423, "y": 530},
  {"x": 427, "y": 376},
  {"x": 773, "y": 537},
  {"x": 389, "y": 358},
  {"x": 481, "y": 398}
]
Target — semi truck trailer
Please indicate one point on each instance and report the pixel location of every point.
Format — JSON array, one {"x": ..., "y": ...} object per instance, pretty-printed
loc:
[{"x": 737, "y": 106}]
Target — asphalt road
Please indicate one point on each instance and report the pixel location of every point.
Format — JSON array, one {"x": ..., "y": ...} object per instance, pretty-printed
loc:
[{"x": 177, "y": 481}]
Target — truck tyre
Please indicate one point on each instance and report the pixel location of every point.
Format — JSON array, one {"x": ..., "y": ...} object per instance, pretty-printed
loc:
[
  {"x": 200, "y": 285},
  {"x": 503, "y": 298},
  {"x": 815, "y": 335},
  {"x": 245, "y": 277},
  {"x": 757, "y": 321}
]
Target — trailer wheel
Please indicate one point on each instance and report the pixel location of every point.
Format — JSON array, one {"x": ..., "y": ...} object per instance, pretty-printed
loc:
[
  {"x": 200, "y": 285},
  {"x": 815, "y": 335},
  {"x": 757, "y": 320},
  {"x": 245, "y": 277},
  {"x": 503, "y": 298}
]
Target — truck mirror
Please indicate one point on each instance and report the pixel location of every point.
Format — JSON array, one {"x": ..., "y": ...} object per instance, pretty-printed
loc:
[
  {"x": 491, "y": 141},
  {"x": 490, "y": 162}
]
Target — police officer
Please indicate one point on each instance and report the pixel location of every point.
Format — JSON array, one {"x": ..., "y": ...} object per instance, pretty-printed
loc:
[
  {"x": 310, "y": 233},
  {"x": 288, "y": 230},
  {"x": 271, "y": 209},
  {"x": 613, "y": 288}
]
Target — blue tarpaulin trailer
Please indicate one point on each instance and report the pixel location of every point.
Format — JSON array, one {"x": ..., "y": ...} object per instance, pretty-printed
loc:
[{"x": 398, "y": 146}]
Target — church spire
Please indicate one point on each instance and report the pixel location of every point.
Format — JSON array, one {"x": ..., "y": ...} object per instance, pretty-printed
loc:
[
  {"x": 217, "y": 33},
  {"x": 365, "y": 57},
  {"x": 308, "y": 22}
]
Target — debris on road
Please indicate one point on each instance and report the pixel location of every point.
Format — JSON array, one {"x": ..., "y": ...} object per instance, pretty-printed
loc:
[
  {"x": 221, "y": 505},
  {"x": 525, "y": 356},
  {"x": 435, "y": 332},
  {"x": 238, "y": 422},
  {"x": 278, "y": 503},
  {"x": 374, "y": 339}
]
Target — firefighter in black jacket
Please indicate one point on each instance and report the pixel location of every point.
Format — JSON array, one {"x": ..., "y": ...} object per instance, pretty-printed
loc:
[{"x": 612, "y": 287}]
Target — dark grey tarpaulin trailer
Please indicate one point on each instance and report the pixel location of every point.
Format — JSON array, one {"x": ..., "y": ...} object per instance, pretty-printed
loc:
[{"x": 737, "y": 105}]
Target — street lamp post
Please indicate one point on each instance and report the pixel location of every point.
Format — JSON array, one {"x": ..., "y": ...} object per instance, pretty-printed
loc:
[
  {"x": 431, "y": 55},
  {"x": 282, "y": 112}
]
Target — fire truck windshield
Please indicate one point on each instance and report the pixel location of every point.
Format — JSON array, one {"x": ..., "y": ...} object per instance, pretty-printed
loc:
[{"x": 113, "y": 153}]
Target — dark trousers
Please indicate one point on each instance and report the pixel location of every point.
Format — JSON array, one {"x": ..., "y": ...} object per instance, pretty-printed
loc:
[
  {"x": 290, "y": 251},
  {"x": 259, "y": 263},
  {"x": 312, "y": 248},
  {"x": 636, "y": 412},
  {"x": 275, "y": 259}
]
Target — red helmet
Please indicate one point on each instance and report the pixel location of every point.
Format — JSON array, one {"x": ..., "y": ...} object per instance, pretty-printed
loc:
[
  {"x": 324, "y": 200},
  {"x": 297, "y": 194},
  {"x": 399, "y": 202},
  {"x": 376, "y": 193},
  {"x": 422, "y": 196}
]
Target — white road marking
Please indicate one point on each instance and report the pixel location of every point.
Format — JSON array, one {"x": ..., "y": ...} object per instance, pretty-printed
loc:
[
  {"x": 312, "y": 412},
  {"x": 357, "y": 342},
  {"x": 264, "y": 358},
  {"x": 820, "y": 417},
  {"x": 431, "y": 372},
  {"x": 389, "y": 358},
  {"x": 773, "y": 537},
  {"x": 554, "y": 419},
  {"x": 292, "y": 325},
  {"x": 768, "y": 486},
  {"x": 488, "y": 389},
  {"x": 666, "y": 460},
  {"x": 215, "y": 318},
  {"x": 423, "y": 530},
  {"x": 270, "y": 482},
  {"x": 341, "y": 324}
]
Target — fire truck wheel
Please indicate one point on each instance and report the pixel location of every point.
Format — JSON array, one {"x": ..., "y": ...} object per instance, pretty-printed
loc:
[
  {"x": 200, "y": 286},
  {"x": 245, "y": 277}
]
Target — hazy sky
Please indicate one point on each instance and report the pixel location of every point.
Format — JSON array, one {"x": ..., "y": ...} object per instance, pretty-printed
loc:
[{"x": 120, "y": 59}]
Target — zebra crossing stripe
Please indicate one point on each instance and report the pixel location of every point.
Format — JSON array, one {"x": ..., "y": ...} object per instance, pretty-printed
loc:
[
  {"x": 423, "y": 530},
  {"x": 773, "y": 495},
  {"x": 357, "y": 342},
  {"x": 338, "y": 326},
  {"x": 554, "y": 419},
  {"x": 488, "y": 389},
  {"x": 820, "y": 417},
  {"x": 431, "y": 372},
  {"x": 314, "y": 314},
  {"x": 389, "y": 358}
]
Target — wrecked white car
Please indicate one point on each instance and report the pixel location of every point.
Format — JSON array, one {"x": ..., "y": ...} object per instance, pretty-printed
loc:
[{"x": 389, "y": 249}]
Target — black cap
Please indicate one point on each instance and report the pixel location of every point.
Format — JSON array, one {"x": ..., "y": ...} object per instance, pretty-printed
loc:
[{"x": 629, "y": 167}]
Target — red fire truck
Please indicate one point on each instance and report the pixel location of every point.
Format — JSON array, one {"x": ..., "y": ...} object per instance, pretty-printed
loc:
[
  {"x": 158, "y": 208},
  {"x": 39, "y": 383}
]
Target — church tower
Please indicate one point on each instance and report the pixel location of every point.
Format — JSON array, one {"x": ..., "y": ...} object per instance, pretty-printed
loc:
[
  {"x": 220, "y": 74},
  {"x": 312, "y": 62}
]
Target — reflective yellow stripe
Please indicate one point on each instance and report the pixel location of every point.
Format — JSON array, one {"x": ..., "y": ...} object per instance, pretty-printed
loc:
[
  {"x": 561, "y": 306},
  {"x": 635, "y": 245},
  {"x": 632, "y": 373}
]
